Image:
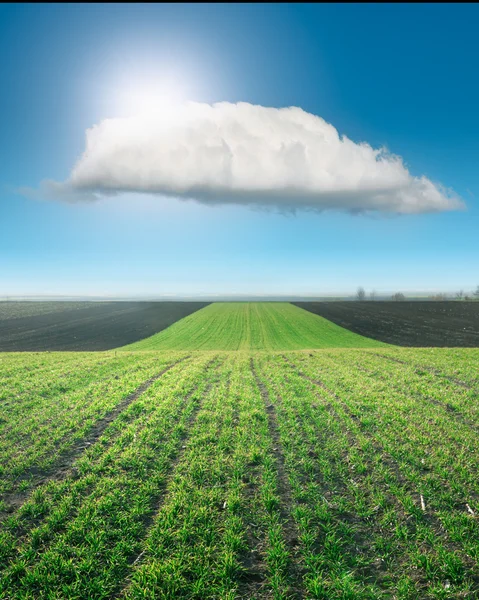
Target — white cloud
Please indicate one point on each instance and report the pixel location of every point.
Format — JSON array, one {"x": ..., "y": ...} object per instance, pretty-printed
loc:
[
  {"x": 241, "y": 153},
  {"x": 55, "y": 190}
]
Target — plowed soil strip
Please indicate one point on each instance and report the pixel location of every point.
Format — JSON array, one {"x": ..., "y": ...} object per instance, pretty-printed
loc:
[
  {"x": 62, "y": 466},
  {"x": 290, "y": 531},
  {"x": 159, "y": 500}
]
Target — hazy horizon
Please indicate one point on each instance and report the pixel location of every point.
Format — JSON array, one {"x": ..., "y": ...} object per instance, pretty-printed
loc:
[{"x": 385, "y": 295}]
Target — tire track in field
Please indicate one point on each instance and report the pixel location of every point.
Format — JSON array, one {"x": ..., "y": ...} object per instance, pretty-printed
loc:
[
  {"x": 436, "y": 372},
  {"x": 67, "y": 409},
  {"x": 450, "y": 409},
  {"x": 50, "y": 391},
  {"x": 20, "y": 532},
  {"x": 337, "y": 485},
  {"x": 253, "y": 578},
  {"x": 428, "y": 516},
  {"x": 290, "y": 531},
  {"x": 387, "y": 458},
  {"x": 64, "y": 462},
  {"x": 364, "y": 526},
  {"x": 352, "y": 438},
  {"x": 317, "y": 382},
  {"x": 158, "y": 501}
]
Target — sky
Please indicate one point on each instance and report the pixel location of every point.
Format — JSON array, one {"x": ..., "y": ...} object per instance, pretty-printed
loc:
[{"x": 151, "y": 151}]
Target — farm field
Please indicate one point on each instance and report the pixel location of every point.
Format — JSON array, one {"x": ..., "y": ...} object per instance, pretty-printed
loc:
[
  {"x": 222, "y": 462},
  {"x": 84, "y": 326},
  {"x": 252, "y": 326},
  {"x": 408, "y": 323},
  {"x": 13, "y": 309},
  {"x": 339, "y": 473}
]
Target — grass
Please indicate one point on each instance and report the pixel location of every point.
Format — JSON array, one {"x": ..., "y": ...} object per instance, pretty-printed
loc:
[
  {"x": 334, "y": 473},
  {"x": 253, "y": 326}
]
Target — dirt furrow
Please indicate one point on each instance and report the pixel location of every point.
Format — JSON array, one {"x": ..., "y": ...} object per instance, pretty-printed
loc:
[
  {"x": 364, "y": 527},
  {"x": 63, "y": 465},
  {"x": 387, "y": 459},
  {"x": 429, "y": 369},
  {"x": 311, "y": 379},
  {"x": 390, "y": 462},
  {"x": 290, "y": 530},
  {"x": 253, "y": 577},
  {"x": 158, "y": 501},
  {"x": 451, "y": 410}
]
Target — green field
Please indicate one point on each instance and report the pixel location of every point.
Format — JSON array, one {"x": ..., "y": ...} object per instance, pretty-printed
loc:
[
  {"x": 253, "y": 326},
  {"x": 312, "y": 464}
]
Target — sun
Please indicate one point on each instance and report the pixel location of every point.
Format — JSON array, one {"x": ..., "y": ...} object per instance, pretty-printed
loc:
[{"x": 150, "y": 97}]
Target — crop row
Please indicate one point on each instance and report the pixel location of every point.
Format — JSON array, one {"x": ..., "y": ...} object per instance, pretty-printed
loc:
[
  {"x": 417, "y": 453},
  {"x": 93, "y": 517},
  {"x": 47, "y": 412},
  {"x": 332, "y": 474}
]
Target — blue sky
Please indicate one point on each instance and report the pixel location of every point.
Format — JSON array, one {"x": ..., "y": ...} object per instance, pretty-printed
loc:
[{"x": 402, "y": 76}]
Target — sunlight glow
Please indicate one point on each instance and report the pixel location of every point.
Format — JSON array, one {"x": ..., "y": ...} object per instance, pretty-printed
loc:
[{"x": 151, "y": 99}]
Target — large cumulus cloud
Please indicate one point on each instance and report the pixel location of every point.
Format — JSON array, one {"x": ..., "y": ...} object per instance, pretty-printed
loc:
[{"x": 247, "y": 154}]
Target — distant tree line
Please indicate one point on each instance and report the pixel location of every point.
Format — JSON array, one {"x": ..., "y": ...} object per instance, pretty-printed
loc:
[
  {"x": 460, "y": 295},
  {"x": 399, "y": 296},
  {"x": 361, "y": 295}
]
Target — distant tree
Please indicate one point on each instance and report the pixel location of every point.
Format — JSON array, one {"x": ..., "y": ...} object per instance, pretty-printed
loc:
[
  {"x": 460, "y": 295},
  {"x": 398, "y": 296},
  {"x": 372, "y": 295},
  {"x": 438, "y": 297},
  {"x": 476, "y": 293},
  {"x": 360, "y": 294}
]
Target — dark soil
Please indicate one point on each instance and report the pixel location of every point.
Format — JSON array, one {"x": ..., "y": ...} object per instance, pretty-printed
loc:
[
  {"x": 409, "y": 323},
  {"x": 90, "y": 325},
  {"x": 291, "y": 534}
]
